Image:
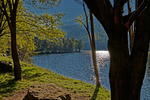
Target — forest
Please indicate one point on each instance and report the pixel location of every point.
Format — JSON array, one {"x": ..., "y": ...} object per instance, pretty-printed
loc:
[{"x": 62, "y": 45}]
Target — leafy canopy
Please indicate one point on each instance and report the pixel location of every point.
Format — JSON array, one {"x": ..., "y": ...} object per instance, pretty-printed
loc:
[{"x": 29, "y": 26}]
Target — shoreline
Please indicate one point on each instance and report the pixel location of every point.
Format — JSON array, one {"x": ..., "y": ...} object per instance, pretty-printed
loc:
[
  {"x": 44, "y": 52},
  {"x": 33, "y": 74}
]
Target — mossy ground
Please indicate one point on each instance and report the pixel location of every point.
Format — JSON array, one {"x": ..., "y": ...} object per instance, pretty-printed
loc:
[{"x": 32, "y": 74}]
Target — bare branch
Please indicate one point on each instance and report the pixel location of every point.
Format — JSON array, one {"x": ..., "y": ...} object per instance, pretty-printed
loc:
[
  {"x": 84, "y": 26},
  {"x": 87, "y": 22},
  {"x": 79, "y": 2},
  {"x": 137, "y": 13}
]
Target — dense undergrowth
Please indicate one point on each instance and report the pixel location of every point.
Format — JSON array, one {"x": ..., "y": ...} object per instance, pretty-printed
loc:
[{"x": 32, "y": 74}]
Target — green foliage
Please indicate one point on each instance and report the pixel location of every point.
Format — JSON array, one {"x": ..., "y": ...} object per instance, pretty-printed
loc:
[
  {"x": 79, "y": 45},
  {"x": 30, "y": 25},
  {"x": 3, "y": 24},
  {"x": 32, "y": 74},
  {"x": 4, "y": 43},
  {"x": 60, "y": 46},
  {"x": 43, "y": 26}
]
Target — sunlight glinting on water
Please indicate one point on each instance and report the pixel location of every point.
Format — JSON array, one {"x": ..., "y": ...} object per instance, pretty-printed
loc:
[
  {"x": 102, "y": 54},
  {"x": 80, "y": 66},
  {"x": 102, "y": 59}
]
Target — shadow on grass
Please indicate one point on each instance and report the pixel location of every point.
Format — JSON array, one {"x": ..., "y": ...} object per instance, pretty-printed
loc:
[
  {"x": 7, "y": 87},
  {"x": 95, "y": 94}
]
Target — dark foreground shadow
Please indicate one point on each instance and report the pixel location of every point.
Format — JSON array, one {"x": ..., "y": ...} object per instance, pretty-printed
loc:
[
  {"x": 26, "y": 97},
  {"x": 95, "y": 94},
  {"x": 7, "y": 87}
]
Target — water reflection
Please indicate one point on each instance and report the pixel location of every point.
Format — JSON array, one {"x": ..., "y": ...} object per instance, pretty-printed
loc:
[
  {"x": 102, "y": 58},
  {"x": 80, "y": 66},
  {"x": 103, "y": 67}
]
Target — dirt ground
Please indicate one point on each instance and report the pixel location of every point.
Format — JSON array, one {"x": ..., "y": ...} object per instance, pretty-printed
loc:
[{"x": 21, "y": 96}]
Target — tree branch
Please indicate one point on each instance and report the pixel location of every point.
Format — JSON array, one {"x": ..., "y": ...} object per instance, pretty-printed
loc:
[
  {"x": 137, "y": 13},
  {"x": 122, "y": 2},
  {"x": 84, "y": 26},
  {"x": 31, "y": 24},
  {"x": 3, "y": 34},
  {"x": 126, "y": 17},
  {"x": 7, "y": 17},
  {"x": 1, "y": 19},
  {"x": 10, "y": 6},
  {"x": 103, "y": 11},
  {"x": 4, "y": 24},
  {"x": 79, "y": 2},
  {"x": 87, "y": 22}
]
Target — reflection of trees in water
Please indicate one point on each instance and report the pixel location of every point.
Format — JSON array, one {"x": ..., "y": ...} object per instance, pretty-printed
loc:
[{"x": 148, "y": 66}]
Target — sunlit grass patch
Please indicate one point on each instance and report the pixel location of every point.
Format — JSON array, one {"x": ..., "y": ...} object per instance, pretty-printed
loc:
[{"x": 32, "y": 74}]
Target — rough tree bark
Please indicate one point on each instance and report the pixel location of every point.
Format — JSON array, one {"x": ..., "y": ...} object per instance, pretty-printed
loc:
[{"x": 126, "y": 70}]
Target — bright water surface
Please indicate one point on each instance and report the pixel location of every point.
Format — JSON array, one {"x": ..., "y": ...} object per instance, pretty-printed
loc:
[{"x": 79, "y": 66}]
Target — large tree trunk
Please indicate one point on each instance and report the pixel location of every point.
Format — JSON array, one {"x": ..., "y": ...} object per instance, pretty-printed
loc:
[
  {"x": 127, "y": 71},
  {"x": 119, "y": 73}
]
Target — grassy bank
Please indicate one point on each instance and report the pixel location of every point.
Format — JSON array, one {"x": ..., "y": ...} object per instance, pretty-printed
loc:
[{"x": 32, "y": 74}]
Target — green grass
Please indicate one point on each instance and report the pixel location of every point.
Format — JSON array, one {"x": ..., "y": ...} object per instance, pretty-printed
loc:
[{"x": 32, "y": 74}]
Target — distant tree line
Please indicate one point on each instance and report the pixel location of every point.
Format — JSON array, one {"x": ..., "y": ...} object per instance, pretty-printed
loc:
[{"x": 62, "y": 45}]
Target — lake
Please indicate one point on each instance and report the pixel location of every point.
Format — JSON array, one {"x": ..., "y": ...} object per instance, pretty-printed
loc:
[{"x": 80, "y": 66}]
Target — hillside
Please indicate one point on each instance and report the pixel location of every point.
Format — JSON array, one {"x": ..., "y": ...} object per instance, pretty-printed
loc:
[
  {"x": 72, "y": 10},
  {"x": 74, "y": 30}
]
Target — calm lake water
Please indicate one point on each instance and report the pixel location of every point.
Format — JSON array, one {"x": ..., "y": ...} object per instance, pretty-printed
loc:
[{"x": 79, "y": 66}]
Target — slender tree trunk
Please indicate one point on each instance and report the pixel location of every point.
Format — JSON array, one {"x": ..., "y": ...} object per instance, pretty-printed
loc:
[
  {"x": 12, "y": 25},
  {"x": 95, "y": 66},
  {"x": 93, "y": 51},
  {"x": 17, "y": 67}
]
